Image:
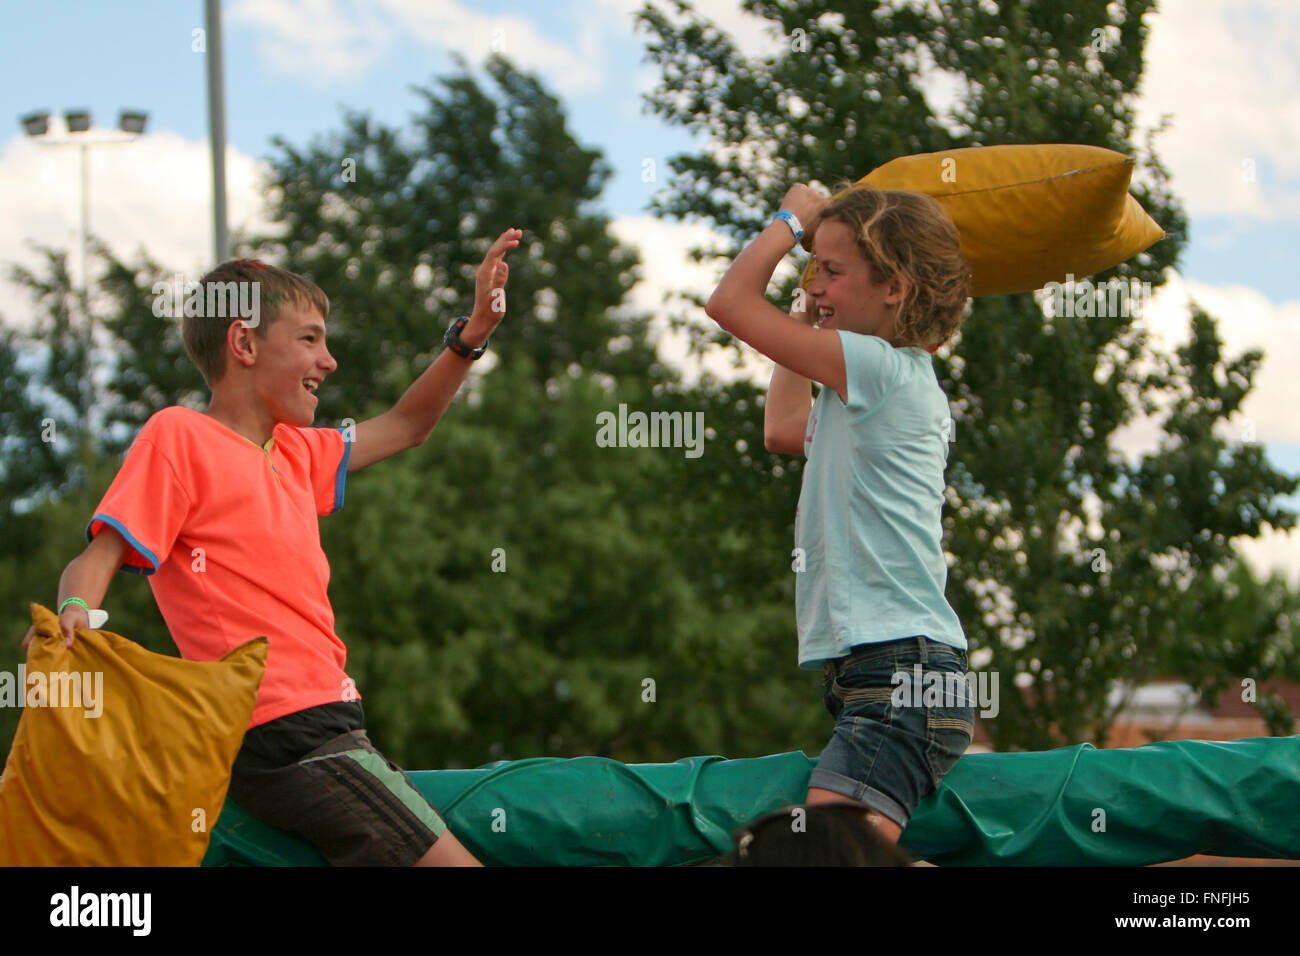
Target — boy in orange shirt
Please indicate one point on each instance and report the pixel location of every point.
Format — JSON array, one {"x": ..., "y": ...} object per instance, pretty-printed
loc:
[{"x": 221, "y": 509}]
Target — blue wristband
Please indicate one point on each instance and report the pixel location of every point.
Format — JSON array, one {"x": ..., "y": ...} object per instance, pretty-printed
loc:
[{"x": 791, "y": 220}]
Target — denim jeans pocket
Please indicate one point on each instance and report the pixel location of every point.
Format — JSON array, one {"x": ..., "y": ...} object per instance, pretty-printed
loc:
[
  {"x": 859, "y": 684},
  {"x": 949, "y": 731}
]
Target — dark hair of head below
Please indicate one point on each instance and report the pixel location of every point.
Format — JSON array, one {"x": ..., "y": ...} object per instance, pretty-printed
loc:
[{"x": 828, "y": 834}]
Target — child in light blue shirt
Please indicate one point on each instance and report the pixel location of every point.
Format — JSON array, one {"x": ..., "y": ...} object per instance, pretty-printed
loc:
[
  {"x": 877, "y": 573},
  {"x": 890, "y": 286}
]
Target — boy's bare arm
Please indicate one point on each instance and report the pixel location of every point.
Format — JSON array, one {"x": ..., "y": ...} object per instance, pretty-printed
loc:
[
  {"x": 412, "y": 419},
  {"x": 87, "y": 576}
]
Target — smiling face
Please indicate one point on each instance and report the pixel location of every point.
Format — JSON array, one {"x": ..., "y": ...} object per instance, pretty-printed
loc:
[
  {"x": 290, "y": 363},
  {"x": 845, "y": 294}
]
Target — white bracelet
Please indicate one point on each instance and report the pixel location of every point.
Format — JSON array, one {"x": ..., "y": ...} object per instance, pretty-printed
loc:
[{"x": 791, "y": 220}]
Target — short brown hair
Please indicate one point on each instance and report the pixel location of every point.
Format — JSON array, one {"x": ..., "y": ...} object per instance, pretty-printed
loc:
[
  {"x": 909, "y": 234},
  {"x": 205, "y": 336}
]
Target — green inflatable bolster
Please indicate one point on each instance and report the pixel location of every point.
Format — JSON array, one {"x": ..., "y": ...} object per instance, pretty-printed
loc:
[{"x": 1076, "y": 806}]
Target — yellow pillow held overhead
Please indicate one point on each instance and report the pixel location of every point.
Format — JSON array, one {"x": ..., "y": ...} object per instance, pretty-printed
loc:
[
  {"x": 122, "y": 756},
  {"x": 1029, "y": 214}
]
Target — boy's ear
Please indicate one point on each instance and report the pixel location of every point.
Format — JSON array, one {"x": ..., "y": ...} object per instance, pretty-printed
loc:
[{"x": 241, "y": 343}]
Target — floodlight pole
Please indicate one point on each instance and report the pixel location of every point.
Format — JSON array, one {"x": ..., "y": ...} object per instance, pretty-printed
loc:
[
  {"x": 217, "y": 126},
  {"x": 85, "y": 235},
  {"x": 83, "y": 136}
]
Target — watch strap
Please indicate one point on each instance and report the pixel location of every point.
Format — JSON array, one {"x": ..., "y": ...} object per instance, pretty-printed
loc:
[{"x": 452, "y": 341}]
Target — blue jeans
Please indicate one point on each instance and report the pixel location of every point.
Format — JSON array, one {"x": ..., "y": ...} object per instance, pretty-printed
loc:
[{"x": 895, "y": 736}]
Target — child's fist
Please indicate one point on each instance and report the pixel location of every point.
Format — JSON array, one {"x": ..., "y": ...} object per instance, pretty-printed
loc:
[
  {"x": 806, "y": 203},
  {"x": 73, "y": 617}
]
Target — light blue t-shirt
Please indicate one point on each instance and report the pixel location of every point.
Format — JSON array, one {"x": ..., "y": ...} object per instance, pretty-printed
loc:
[{"x": 869, "y": 518}]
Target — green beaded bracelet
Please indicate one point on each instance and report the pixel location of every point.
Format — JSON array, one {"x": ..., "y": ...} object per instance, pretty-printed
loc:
[{"x": 75, "y": 600}]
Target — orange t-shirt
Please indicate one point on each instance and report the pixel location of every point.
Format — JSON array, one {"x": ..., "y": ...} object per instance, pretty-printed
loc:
[{"x": 229, "y": 533}]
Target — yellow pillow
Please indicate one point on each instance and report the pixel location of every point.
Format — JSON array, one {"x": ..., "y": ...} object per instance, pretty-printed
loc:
[
  {"x": 128, "y": 763},
  {"x": 1032, "y": 214}
]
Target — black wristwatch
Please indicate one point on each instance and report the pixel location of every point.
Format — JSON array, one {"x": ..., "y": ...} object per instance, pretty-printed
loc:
[{"x": 453, "y": 342}]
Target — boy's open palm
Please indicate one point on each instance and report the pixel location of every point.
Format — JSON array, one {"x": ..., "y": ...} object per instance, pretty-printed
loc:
[
  {"x": 412, "y": 419},
  {"x": 490, "y": 279}
]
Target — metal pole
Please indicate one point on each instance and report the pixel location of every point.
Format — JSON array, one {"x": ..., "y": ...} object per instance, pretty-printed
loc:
[
  {"x": 217, "y": 125},
  {"x": 85, "y": 233},
  {"x": 87, "y": 387}
]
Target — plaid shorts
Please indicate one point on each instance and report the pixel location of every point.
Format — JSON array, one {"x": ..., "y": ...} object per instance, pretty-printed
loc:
[{"x": 317, "y": 774}]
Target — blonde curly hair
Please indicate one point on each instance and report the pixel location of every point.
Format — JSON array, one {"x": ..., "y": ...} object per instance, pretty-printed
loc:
[{"x": 908, "y": 234}]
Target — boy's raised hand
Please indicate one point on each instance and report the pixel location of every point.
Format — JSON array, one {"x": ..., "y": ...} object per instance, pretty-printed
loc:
[
  {"x": 410, "y": 422},
  {"x": 490, "y": 281}
]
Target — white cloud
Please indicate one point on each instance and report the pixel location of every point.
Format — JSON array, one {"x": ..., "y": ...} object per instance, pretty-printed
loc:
[
  {"x": 1272, "y": 551},
  {"x": 153, "y": 193},
  {"x": 462, "y": 29},
  {"x": 325, "y": 41},
  {"x": 1227, "y": 72},
  {"x": 1245, "y": 319},
  {"x": 320, "y": 41}
]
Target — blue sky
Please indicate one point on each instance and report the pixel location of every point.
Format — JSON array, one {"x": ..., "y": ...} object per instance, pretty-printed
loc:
[
  {"x": 138, "y": 53},
  {"x": 1225, "y": 71}
]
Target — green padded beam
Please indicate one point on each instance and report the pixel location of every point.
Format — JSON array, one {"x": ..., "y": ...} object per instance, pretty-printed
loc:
[{"x": 1076, "y": 806}]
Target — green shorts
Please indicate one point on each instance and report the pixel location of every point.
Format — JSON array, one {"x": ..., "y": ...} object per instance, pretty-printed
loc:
[{"x": 317, "y": 774}]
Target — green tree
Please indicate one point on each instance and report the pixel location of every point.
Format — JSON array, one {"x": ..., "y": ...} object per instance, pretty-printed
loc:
[
  {"x": 1062, "y": 549},
  {"x": 31, "y": 461},
  {"x": 51, "y": 370}
]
